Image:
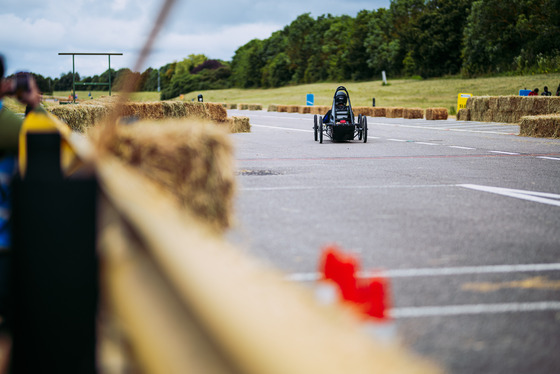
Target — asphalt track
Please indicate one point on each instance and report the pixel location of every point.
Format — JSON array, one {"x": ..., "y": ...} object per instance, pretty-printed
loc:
[{"x": 462, "y": 217}]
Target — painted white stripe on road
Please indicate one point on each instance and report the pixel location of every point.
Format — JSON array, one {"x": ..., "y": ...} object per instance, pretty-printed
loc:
[
  {"x": 459, "y": 147},
  {"x": 396, "y": 140},
  {"x": 426, "y": 143},
  {"x": 549, "y": 158},
  {"x": 504, "y": 153},
  {"x": 444, "y": 128},
  {"x": 456, "y": 310},
  {"x": 315, "y": 188},
  {"x": 431, "y": 272},
  {"x": 281, "y": 128},
  {"x": 538, "y": 197}
]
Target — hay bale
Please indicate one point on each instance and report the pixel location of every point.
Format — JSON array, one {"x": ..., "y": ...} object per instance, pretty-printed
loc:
[
  {"x": 379, "y": 112},
  {"x": 554, "y": 105},
  {"x": 254, "y": 107},
  {"x": 196, "y": 110},
  {"x": 80, "y": 117},
  {"x": 304, "y": 109},
  {"x": 547, "y": 126},
  {"x": 216, "y": 112},
  {"x": 436, "y": 114},
  {"x": 192, "y": 160},
  {"x": 413, "y": 113},
  {"x": 238, "y": 124},
  {"x": 231, "y": 106},
  {"x": 464, "y": 115},
  {"x": 243, "y": 106},
  {"x": 363, "y": 110},
  {"x": 272, "y": 108},
  {"x": 394, "y": 112},
  {"x": 293, "y": 108},
  {"x": 282, "y": 108}
]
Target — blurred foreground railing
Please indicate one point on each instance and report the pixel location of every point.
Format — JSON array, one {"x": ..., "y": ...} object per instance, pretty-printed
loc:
[{"x": 176, "y": 298}]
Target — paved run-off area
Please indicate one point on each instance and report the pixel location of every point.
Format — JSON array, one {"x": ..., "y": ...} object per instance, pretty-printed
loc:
[{"x": 462, "y": 217}]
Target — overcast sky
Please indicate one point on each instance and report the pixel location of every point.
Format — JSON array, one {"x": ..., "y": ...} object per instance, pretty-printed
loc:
[{"x": 33, "y": 32}]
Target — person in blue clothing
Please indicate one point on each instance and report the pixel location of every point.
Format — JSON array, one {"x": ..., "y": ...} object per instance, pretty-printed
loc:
[{"x": 24, "y": 88}]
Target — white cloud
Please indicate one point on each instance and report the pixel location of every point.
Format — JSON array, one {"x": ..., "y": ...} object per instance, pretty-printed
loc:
[
  {"x": 220, "y": 43},
  {"x": 32, "y": 32}
]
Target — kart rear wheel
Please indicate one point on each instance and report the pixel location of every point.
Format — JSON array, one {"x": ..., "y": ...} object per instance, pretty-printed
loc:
[
  {"x": 320, "y": 129},
  {"x": 360, "y": 126},
  {"x": 315, "y": 126},
  {"x": 364, "y": 129}
]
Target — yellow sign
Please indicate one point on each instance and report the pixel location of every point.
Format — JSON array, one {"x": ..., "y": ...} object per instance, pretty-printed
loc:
[{"x": 462, "y": 100}]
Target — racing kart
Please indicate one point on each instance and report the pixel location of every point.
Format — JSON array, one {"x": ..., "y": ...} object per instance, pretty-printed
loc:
[{"x": 339, "y": 123}]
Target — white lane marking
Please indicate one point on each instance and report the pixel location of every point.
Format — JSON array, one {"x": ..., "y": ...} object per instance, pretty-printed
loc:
[
  {"x": 396, "y": 140},
  {"x": 315, "y": 188},
  {"x": 443, "y": 128},
  {"x": 459, "y": 147},
  {"x": 549, "y": 158},
  {"x": 426, "y": 143},
  {"x": 281, "y": 128},
  {"x": 432, "y": 272},
  {"x": 538, "y": 197},
  {"x": 505, "y": 153},
  {"x": 455, "y": 310}
]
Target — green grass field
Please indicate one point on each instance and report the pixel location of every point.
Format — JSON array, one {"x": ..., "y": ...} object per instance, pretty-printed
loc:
[{"x": 409, "y": 93}]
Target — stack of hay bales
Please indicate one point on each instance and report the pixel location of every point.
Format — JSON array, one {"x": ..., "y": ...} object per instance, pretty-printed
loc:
[
  {"x": 546, "y": 126},
  {"x": 272, "y": 108},
  {"x": 413, "y": 113},
  {"x": 191, "y": 159},
  {"x": 394, "y": 112},
  {"x": 508, "y": 109},
  {"x": 436, "y": 114},
  {"x": 80, "y": 117}
]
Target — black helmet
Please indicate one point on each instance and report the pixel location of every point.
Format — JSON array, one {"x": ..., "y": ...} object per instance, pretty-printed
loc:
[{"x": 340, "y": 98}]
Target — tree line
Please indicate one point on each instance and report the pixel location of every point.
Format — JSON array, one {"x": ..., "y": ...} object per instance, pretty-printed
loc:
[{"x": 425, "y": 38}]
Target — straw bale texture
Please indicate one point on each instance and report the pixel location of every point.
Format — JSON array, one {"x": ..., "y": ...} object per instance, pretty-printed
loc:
[
  {"x": 292, "y": 108},
  {"x": 436, "y": 114},
  {"x": 363, "y": 110},
  {"x": 243, "y": 106},
  {"x": 464, "y": 114},
  {"x": 272, "y": 108},
  {"x": 231, "y": 106},
  {"x": 238, "y": 124},
  {"x": 304, "y": 109},
  {"x": 79, "y": 117},
  {"x": 217, "y": 112},
  {"x": 413, "y": 113},
  {"x": 193, "y": 160},
  {"x": 282, "y": 108},
  {"x": 379, "y": 112},
  {"x": 394, "y": 112},
  {"x": 510, "y": 109},
  {"x": 546, "y": 126},
  {"x": 255, "y": 107}
]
